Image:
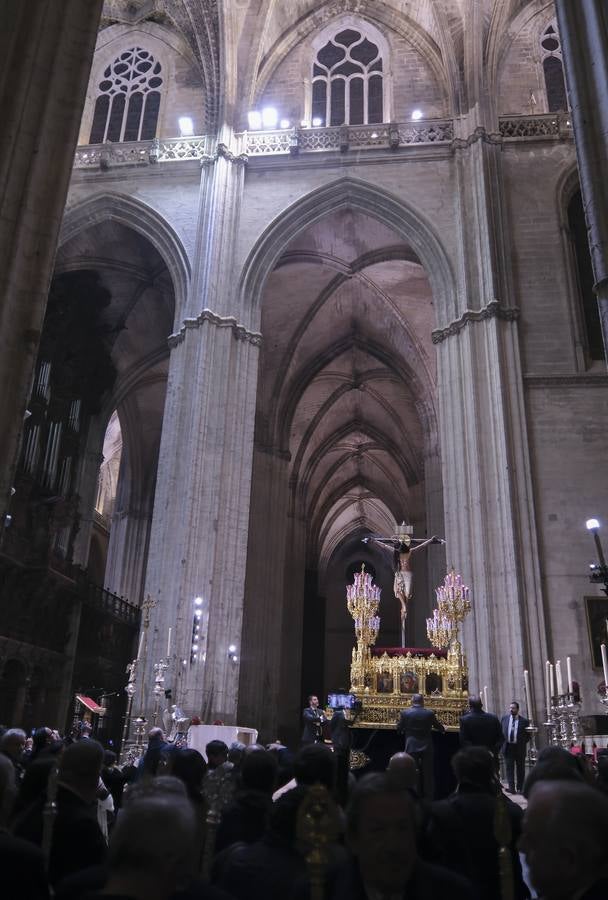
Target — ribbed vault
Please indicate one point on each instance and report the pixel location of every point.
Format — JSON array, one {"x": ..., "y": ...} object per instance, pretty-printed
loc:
[{"x": 347, "y": 378}]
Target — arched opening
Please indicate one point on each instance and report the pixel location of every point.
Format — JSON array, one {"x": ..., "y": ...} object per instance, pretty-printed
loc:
[
  {"x": 119, "y": 493},
  {"x": 345, "y": 445}
]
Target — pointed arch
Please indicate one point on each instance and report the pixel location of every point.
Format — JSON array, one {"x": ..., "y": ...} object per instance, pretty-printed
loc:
[
  {"x": 140, "y": 217},
  {"x": 354, "y": 193}
]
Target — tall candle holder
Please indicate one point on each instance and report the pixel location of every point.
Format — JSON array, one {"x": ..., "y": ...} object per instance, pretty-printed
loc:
[
  {"x": 130, "y": 690},
  {"x": 362, "y": 601},
  {"x": 564, "y": 723}
]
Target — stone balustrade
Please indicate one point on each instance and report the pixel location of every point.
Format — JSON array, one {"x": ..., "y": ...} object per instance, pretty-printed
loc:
[{"x": 296, "y": 141}]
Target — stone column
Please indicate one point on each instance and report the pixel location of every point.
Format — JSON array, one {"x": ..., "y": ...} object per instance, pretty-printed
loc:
[
  {"x": 46, "y": 49},
  {"x": 489, "y": 507},
  {"x": 583, "y": 30},
  {"x": 198, "y": 545},
  {"x": 260, "y": 676}
]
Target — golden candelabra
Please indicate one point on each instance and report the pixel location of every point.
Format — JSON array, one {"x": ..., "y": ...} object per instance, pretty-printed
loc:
[
  {"x": 362, "y": 600},
  {"x": 453, "y": 606},
  {"x": 439, "y": 630}
]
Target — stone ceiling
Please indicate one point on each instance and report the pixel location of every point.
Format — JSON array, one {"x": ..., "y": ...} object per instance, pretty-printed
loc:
[{"x": 347, "y": 376}]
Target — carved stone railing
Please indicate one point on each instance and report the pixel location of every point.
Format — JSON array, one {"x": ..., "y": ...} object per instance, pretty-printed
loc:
[
  {"x": 549, "y": 125},
  {"x": 295, "y": 141},
  {"x": 348, "y": 137}
]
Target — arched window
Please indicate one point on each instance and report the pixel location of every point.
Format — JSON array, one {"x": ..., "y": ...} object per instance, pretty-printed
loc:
[
  {"x": 129, "y": 99},
  {"x": 580, "y": 242},
  {"x": 551, "y": 50},
  {"x": 347, "y": 81}
]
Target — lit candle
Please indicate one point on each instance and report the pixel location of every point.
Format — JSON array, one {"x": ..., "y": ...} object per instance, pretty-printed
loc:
[
  {"x": 569, "y": 671},
  {"x": 169, "y": 642},
  {"x": 485, "y": 697},
  {"x": 558, "y": 678},
  {"x": 528, "y": 693},
  {"x": 605, "y": 664},
  {"x": 548, "y": 687},
  {"x": 141, "y": 643}
]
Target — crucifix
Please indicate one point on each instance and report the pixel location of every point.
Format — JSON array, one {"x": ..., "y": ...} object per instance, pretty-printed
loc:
[{"x": 402, "y": 545}]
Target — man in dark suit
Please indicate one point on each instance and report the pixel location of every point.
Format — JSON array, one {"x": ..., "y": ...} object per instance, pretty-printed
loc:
[
  {"x": 417, "y": 724},
  {"x": 313, "y": 720},
  {"x": 480, "y": 729},
  {"x": 514, "y": 747},
  {"x": 381, "y": 835}
]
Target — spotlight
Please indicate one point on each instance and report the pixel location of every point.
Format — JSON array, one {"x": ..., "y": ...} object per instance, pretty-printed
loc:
[
  {"x": 417, "y": 115},
  {"x": 317, "y": 122},
  {"x": 285, "y": 123},
  {"x": 592, "y": 524},
  {"x": 231, "y": 649},
  {"x": 255, "y": 120},
  {"x": 186, "y": 128},
  {"x": 270, "y": 117},
  {"x": 198, "y": 601}
]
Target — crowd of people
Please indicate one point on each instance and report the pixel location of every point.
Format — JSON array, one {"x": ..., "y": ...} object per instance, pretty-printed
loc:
[{"x": 266, "y": 822}]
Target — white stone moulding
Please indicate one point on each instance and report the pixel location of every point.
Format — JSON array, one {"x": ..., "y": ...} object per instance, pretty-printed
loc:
[{"x": 295, "y": 141}]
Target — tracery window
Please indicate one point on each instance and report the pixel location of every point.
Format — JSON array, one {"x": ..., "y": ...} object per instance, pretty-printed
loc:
[
  {"x": 129, "y": 99},
  {"x": 551, "y": 50},
  {"x": 347, "y": 81}
]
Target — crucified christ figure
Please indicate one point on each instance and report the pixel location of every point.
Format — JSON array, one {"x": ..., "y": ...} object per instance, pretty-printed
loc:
[{"x": 402, "y": 545}]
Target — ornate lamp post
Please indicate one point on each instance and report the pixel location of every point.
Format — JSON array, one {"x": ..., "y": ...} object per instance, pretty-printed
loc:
[{"x": 599, "y": 572}]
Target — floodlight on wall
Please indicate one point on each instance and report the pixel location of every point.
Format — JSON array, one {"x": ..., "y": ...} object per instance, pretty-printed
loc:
[
  {"x": 285, "y": 123},
  {"x": 270, "y": 117},
  {"x": 186, "y": 126},
  {"x": 255, "y": 120},
  {"x": 317, "y": 122},
  {"x": 599, "y": 571},
  {"x": 417, "y": 115}
]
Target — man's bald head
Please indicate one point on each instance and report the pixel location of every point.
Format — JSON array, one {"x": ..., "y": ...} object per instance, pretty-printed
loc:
[
  {"x": 402, "y": 770},
  {"x": 564, "y": 838}
]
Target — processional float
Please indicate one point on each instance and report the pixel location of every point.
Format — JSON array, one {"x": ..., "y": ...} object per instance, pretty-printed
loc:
[{"x": 385, "y": 679}]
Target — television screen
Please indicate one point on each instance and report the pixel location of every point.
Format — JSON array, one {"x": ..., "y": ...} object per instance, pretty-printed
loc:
[{"x": 341, "y": 701}]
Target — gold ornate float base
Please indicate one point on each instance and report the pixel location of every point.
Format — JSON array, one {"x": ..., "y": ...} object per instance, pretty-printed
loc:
[{"x": 385, "y": 684}]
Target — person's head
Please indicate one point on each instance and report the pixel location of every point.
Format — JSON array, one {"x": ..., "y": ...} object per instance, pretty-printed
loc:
[
  {"x": 153, "y": 843},
  {"x": 164, "y": 786},
  {"x": 555, "y": 764},
  {"x": 402, "y": 770},
  {"x": 235, "y": 753},
  {"x": 259, "y": 770},
  {"x": 475, "y": 704},
  {"x": 12, "y": 743},
  {"x": 474, "y": 767},
  {"x": 109, "y": 759},
  {"x": 381, "y": 832},
  {"x": 315, "y": 764},
  {"x": 313, "y": 701},
  {"x": 189, "y": 766},
  {"x": 8, "y": 789},
  {"x": 156, "y": 736},
  {"x": 564, "y": 838},
  {"x": 515, "y": 708},
  {"x": 80, "y": 766},
  {"x": 217, "y": 753},
  {"x": 417, "y": 700},
  {"x": 43, "y": 737}
]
